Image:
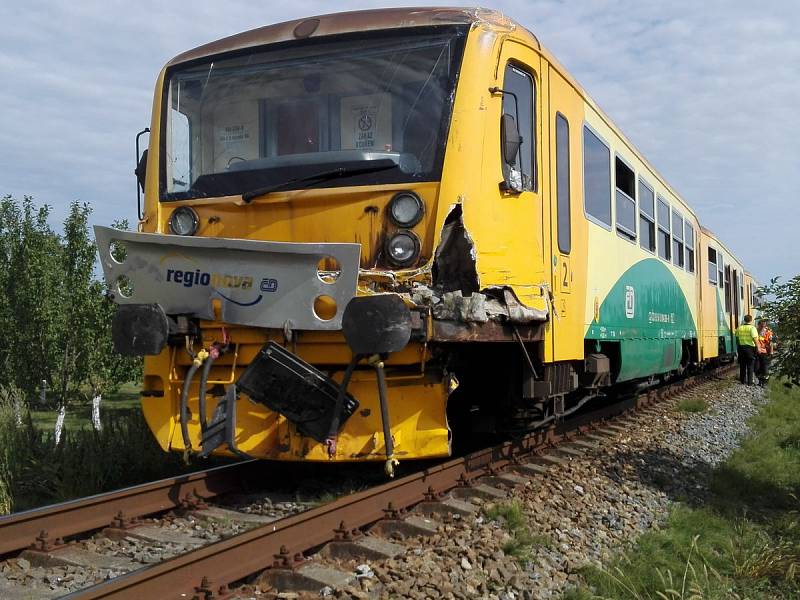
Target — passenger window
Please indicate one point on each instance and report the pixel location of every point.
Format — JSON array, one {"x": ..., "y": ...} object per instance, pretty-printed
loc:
[
  {"x": 647, "y": 217},
  {"x": 626, "y": 199},
  {"x": 728, "y": 292},
  {"x": 689, "y": 248},
  {"x": 596, "y": 178},
  {"x": 562, "y": 184},
  {"x": 720, "y": 265},
  {"x": 664, "y": 242},
  {"x": 712, "y": 266},
  {"x": 518, "y": 102},
  {"x": 677, "y": 239}
]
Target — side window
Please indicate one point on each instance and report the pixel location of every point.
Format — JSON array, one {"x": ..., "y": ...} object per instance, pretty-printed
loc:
[
  {"x": 179, "y": 152},
  {"x": 562, "y": 184},
  {"x": 728, "y": 291},
  {"x": 664, "y": 242},
  {"x": 712, "y": 266},
  {"x": 626, "y": 199},
  {"x": 596, "y": 178},
  {"x": 647, "y": 217},
  {"x": 689, "y": 248},
  {"x": 677, "y": 239},
  {"x": 518, "y": 102},
  {"x": 720, "y": 276}
]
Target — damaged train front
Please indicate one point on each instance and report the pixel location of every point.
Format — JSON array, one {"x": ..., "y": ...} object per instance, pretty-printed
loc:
[{"x": 291, "y": 199}]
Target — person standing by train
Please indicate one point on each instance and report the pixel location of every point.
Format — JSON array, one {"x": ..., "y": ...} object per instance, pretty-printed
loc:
[
  {"x": 766, "y": 346},
  {"x": 747, "y": 338}
]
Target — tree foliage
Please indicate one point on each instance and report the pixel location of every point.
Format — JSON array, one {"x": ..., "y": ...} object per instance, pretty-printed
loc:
[
  {"x": 783, "y": 312},
  {"x": 53, "y": 310}
]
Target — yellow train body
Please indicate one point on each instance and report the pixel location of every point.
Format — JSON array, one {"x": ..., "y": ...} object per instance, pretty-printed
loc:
[{"x": 549, "y": 269}]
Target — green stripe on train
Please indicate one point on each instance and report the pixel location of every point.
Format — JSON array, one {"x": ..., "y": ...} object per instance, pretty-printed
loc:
[{"x": 646, "y": 313}]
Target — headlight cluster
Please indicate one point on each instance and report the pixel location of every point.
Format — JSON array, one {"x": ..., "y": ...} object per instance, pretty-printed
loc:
[
  {"x": 184, "y": 221},
  {"x": 405, "y": 210}
]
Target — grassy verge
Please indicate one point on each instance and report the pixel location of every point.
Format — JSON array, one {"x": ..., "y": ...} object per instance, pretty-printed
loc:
[
  {"x": 744, "y": 542},
  {"x": 79, "y": 416},
  {"x": 34, "y": 471}
]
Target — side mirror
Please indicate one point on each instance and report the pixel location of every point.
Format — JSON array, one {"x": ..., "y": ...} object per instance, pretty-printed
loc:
[
  {"x": 141, "y": 170},
  {"x": 511, "y": 139}
]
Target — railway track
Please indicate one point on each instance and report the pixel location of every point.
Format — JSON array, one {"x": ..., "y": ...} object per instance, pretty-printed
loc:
[{"x": 276, "y": 549}]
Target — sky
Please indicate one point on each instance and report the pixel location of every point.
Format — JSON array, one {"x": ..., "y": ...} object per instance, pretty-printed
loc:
[{"x": 708, "y": 91}]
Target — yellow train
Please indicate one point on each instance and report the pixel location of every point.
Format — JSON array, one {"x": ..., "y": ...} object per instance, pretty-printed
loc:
[{"x": 364, "y": 231}]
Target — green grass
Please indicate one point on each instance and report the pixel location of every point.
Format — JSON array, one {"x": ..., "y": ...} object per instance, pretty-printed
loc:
[
  {"x": 34, "y": 471},
  {"x": 512, "y": 516},
  {"x": 692, "y": 405},
  {"x": 743, "y": 543},
  {"x": 79, "y": 416}
]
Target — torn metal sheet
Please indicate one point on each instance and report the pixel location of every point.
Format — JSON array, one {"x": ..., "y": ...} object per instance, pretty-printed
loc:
[
  {"x": 494, "y": 304},
  {"x": 257, "y": 283}
]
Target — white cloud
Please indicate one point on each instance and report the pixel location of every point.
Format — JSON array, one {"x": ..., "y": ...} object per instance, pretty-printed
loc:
[{"x": 707, "y": 91}]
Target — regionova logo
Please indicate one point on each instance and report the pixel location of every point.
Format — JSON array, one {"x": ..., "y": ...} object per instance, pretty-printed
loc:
[{"x": 220, "y": 281}]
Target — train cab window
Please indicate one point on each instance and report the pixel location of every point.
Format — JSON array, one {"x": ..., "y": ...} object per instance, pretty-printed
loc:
[
  {"x": 596, "y": 178},
  {"x": 712, "y": 266},
  {"x": 562, "y": 184},
  {"x": 689, "y": 248},
  {"x": 520, "y": 84},
  {"x": 625, "y": 182},
  {"x": 664, "y": 242},
  {"x": 647, "y": 217},
  {"x": 677, "y": 239}
]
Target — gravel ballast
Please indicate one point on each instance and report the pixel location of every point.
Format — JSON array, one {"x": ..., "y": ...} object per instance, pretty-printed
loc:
[{"x": 580, "y": 512}]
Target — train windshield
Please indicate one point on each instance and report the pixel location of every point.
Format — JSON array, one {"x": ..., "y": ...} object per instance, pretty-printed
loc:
[{"x": 370, "y": 108}]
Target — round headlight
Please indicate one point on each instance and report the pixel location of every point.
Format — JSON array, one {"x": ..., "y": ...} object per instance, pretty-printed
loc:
[
  {"x": 402, "y": 248},
  {"x": 406, "y": 209},
  {"x": 183, "y": 221}
]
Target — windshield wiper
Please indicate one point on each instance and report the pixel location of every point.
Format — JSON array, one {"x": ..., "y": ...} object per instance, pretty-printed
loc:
[{"x": 374, "y": 166}]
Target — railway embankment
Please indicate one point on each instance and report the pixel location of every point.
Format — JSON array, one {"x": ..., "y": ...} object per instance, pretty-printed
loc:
[
  {"x": 582, "y": 510},
  {"x": 697, "y": 490},
  {"x": 732, "y": 530}
]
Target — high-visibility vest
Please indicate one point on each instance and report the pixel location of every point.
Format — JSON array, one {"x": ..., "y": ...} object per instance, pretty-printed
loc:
[
  {"x": 747, "y": 334},
  {"x": 766, "y": 339}
]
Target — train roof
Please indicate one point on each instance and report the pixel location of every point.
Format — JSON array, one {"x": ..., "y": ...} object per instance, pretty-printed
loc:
[
  {"x": 349, "y": 22},
  {"x": 721, "y": 244}
]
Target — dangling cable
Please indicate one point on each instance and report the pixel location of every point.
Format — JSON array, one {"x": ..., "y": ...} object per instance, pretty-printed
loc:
[
  {"x": 214, "y": 352},
  {"x": 197, "y": 361},
  {"x": 333, "y": 431}
]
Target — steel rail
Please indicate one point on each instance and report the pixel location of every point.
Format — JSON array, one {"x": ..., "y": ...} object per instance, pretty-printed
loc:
[
  {"x": 220, "y": 564},
  {"x": 20, "y": 530},
  {"x": 207, "y": 572}
]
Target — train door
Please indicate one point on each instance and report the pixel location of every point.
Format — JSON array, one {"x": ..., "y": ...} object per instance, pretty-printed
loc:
[
  {"x": 522, "y": 234},
  {"x": 566, "y": 227}
]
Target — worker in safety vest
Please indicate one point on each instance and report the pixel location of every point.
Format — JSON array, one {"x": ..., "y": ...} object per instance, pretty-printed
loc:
[
  {"x": 747, "y": 338},
  {"x": 766, "y": 346}
]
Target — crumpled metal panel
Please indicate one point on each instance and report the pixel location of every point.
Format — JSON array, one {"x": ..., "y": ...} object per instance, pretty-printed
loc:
[{"x": 258, "y": 283}]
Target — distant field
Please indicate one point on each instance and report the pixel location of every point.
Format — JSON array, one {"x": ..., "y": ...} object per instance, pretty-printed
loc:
[{"x": 79, "y": 416}]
